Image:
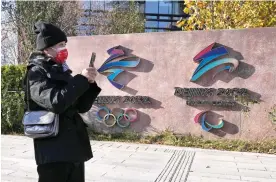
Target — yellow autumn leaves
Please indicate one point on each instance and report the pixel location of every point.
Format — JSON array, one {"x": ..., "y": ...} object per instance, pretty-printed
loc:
[{"x": 228, "y": 14}]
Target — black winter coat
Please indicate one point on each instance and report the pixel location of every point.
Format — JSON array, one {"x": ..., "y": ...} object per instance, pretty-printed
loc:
[{"x": 57, "y": 91}]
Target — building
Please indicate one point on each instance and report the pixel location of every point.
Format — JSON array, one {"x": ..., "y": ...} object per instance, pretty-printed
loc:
[{"x": 160, "y": 15}]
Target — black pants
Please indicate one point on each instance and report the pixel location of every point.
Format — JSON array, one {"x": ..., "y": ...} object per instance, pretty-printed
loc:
[{"x": 61, "y": 172}]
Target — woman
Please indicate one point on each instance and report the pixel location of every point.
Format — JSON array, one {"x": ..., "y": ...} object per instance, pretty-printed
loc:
[{"x": 52, "y": 88}]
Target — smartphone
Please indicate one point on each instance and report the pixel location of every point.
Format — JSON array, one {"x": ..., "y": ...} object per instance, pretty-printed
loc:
[{"x": 92, "y": 60}]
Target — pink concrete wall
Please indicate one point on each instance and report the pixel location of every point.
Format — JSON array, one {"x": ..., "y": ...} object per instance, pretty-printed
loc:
[{"x": 167, "y": 63}]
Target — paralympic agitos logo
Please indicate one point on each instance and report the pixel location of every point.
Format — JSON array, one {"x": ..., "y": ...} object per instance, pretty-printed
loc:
[{"x": 211, "y": 57}]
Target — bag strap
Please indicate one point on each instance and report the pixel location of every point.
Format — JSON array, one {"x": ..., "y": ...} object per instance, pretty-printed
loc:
[{"x": 28, "y": 96}]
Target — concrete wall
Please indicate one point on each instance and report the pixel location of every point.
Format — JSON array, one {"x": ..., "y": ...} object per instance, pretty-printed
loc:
[{"x": 167, "y": 62}]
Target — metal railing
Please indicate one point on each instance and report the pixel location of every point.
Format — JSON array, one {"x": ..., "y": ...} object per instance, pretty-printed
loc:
[{"x": 161, "y": 18}]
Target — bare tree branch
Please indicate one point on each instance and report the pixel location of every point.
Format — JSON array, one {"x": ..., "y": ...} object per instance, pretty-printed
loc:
[{"x": 20, "y": 17}]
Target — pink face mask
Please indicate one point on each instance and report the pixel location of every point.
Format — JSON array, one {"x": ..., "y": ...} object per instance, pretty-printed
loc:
[{"x": 62, "y": 55}]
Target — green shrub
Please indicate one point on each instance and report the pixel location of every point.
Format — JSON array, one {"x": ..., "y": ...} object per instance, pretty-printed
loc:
[{"x": 12, "y": 98}]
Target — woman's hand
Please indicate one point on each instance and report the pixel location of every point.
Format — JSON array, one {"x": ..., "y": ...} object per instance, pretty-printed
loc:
[{"x": 90, "y": 73}]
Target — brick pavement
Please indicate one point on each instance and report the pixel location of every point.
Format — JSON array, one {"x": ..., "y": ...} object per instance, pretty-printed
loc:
[{"x": 125, "y": 162}]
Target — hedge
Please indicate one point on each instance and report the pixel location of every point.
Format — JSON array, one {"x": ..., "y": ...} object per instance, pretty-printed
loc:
[{"x": 12, "y": 98}]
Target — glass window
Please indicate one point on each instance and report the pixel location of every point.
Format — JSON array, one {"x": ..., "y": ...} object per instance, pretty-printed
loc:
[
  {"x": 164, "y": 24},
  {"x": 148, "y": 30},
  {"x": 165, "y": 7},
  {"x": 98, "y": 5},
  {"x": 83, "y": 20},
  {"x": 86, "y": 4},
  {"x": 176, "y": 8},
  {"x": 164, "y": 18},
  {"x": 151, "y": 7},
  {"x": 81, "y": 28},
  {"x": 176, "y": 18},
  {"x": 151, "y": 17},
  {"x": 108, "y": 5},
  {"x": 151, "y": 24}
]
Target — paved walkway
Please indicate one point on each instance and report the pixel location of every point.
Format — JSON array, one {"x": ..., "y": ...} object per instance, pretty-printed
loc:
[{"x": 141, "y": 163}]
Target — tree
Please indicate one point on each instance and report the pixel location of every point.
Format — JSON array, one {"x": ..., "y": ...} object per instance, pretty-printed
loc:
[
  {"x": 21, "y": 16},
  {"x": 8, "y": 35},
  {"x": 118, "y": 18},
  {"x": 228, "y": 14},
  {"x": 129, "y": 20}
]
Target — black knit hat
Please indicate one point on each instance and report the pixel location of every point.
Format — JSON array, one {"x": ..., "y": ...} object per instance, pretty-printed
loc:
[{"x": 48, "y": 35}]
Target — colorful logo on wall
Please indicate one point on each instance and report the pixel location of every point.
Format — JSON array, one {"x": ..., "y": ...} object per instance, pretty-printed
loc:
[
  {"x": 117, "y": 116},
  {"x": 206, "y": 126},
  {"x": 210, "y": 58},
  {"x": 117, "y": 59}
]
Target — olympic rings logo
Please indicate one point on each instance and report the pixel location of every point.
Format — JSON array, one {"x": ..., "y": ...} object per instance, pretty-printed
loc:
[{"x": 117, "y": 116}]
